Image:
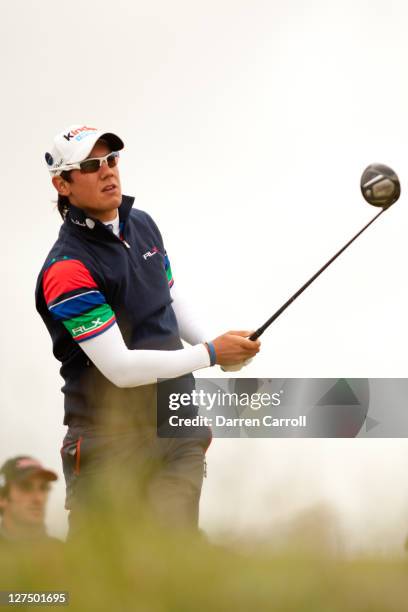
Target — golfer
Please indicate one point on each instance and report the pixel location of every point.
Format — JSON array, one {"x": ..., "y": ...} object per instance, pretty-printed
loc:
[{"x": 107, "y": 296}]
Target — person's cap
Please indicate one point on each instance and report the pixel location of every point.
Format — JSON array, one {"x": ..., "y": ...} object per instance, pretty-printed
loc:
[
  {"x": 74, "y": 144},
  {"x": 21, "y": 468}
]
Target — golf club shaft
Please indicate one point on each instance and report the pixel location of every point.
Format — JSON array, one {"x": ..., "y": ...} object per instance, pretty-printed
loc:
[{"x": 273, "y": 318}]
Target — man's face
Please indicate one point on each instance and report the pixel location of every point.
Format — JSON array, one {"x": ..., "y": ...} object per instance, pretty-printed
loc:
[
  {"x": 98, "y": 193},
  {"x": 25, "y": 503}
]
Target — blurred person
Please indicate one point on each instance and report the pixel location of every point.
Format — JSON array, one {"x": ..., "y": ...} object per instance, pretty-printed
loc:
[
  {"x": 107, "y": 296},
  {"x": 24, "y": 491}
]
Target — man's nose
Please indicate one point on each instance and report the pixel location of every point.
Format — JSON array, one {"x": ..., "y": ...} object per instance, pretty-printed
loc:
[
  {"x": 39, "y": 497},
  {"x": 105, "y": 170}
]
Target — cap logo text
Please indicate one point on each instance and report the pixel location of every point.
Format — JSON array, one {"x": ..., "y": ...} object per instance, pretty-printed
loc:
[{"x": 78, "y": 131}]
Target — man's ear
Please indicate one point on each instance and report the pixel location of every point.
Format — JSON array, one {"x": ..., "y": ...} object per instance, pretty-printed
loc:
[{"x": 61, "y": 185}]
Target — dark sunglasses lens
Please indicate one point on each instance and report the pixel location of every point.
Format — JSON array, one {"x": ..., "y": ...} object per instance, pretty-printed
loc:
[
  {"x": 90, "y": 165},
  {"x": 112, "y": 160},
  {"x": 93, "y": 165}
]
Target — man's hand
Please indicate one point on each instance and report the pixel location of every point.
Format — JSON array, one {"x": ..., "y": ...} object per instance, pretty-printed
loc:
[{"x": 234, "y": 347}]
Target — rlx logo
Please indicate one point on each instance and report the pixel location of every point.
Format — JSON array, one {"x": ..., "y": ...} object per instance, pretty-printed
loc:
[
  {"x": 84, "y": 328},
  {"x": 150, "y": 253}
]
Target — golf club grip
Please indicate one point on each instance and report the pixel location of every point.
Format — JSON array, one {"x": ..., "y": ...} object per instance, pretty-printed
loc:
[
  {"x": 284, "y": 306},
  {"x": 256, "y": 334}
]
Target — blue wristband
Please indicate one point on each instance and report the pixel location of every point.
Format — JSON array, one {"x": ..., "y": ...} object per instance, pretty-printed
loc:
[{"x": 213, "y": 356}]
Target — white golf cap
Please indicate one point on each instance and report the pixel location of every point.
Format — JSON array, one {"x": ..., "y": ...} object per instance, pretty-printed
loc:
[{"x": 74, "y": 144}]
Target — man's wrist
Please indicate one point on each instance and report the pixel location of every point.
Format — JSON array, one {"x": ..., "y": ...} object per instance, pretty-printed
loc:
[{"x": 211, "y": 351}]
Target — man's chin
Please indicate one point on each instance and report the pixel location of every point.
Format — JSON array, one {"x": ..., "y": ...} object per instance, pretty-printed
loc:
[
  {"x": 113, "y": 200},
  {"x": 35, "y": 519},
  {"x": 100, "y": 209},
  {"x": 113, "y": 203}
]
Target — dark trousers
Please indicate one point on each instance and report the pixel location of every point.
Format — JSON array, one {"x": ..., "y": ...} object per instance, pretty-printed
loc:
[{"x": 127, "y": 474}]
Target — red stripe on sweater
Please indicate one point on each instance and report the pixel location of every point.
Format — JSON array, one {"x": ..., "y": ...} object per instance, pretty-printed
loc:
[{"x": 64, "y": 276}]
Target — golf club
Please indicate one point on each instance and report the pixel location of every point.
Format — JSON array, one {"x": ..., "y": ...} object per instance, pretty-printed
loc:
[{"x": 380, "y": 187}]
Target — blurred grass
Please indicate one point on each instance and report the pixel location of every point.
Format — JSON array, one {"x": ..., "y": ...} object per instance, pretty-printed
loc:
[
  {"x": 145, "y": 568},
  {"x": 124, "y": 562}
]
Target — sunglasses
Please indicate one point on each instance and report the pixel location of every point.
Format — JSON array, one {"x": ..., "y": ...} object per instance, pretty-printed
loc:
[{"x": 94, "y": 163}]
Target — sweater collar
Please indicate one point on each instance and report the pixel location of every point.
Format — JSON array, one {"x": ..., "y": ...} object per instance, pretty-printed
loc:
[{"x": 78, "y": 217}]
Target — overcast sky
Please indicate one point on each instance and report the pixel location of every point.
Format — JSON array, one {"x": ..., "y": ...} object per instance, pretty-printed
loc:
[{"x": 247, "y": 125}]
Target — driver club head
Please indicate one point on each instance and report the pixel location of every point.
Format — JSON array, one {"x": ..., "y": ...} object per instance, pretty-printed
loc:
[{"x": 380, "y": 185}]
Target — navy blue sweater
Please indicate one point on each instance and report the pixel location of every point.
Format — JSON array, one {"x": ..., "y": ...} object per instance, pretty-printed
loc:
[{"x": 127, "y": 275}]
